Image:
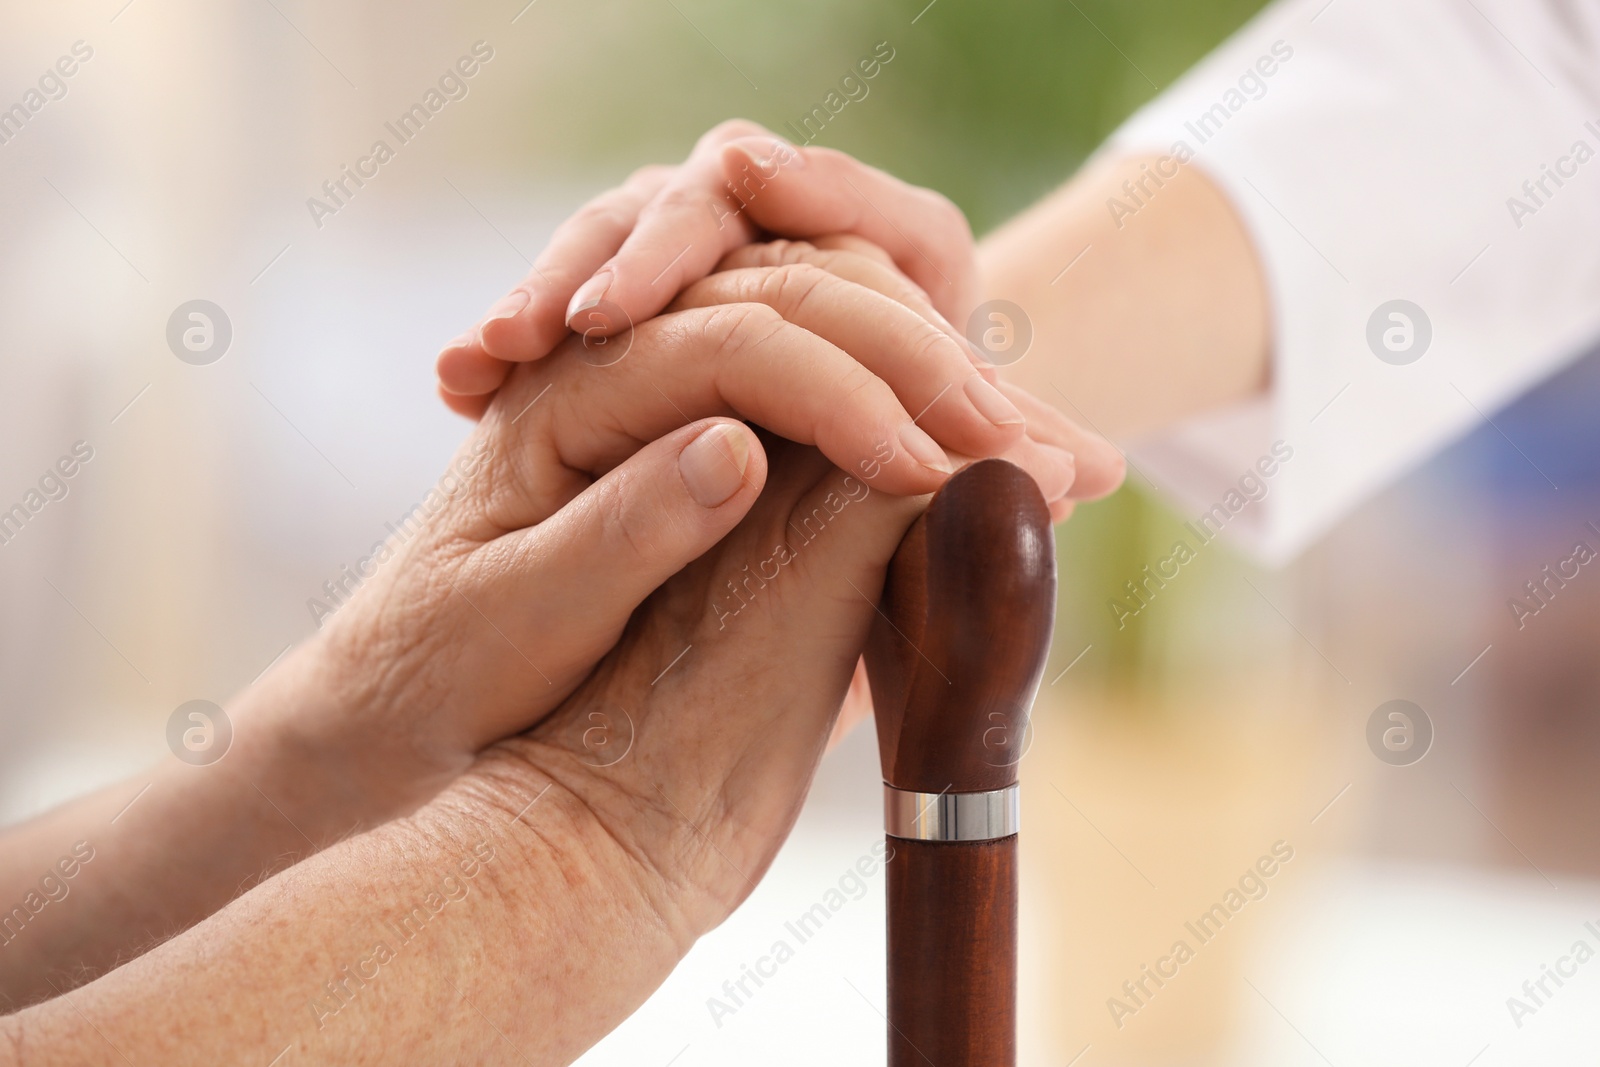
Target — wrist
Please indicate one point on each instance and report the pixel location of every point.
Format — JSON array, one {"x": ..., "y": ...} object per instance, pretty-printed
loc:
[
  {"x": 319, "y": 740},
  {"x": 566, "y": 905},
  {"x": 562, "y": 847}
]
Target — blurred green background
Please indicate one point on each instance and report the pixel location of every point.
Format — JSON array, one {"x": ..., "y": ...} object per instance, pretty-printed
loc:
[{"x": 992, "y": 104}]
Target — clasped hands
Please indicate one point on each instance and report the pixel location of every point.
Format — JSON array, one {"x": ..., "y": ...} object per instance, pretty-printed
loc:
[{"x": 602, "y": 676}]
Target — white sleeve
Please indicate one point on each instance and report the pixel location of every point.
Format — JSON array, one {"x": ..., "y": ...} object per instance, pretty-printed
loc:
[{"x": 1440, "y": 152}]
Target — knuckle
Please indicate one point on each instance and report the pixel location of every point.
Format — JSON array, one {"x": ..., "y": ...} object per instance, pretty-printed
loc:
[
  {"x": 856, "y": 247},
  {"x": 929, "y": 344},
  {"x": 606, "y": 212},
  {"x": 784, "y": 251},
  {"x": 676, "y": 199},
  {"x": 859, "y": 394},
  {"x": 775, "y": 253},
  {"x": 790, "y": 285},
  {"x": 616, "y": 510},
  {"x": 734, "y": 329},
  {"x": 859, "y": 383}
]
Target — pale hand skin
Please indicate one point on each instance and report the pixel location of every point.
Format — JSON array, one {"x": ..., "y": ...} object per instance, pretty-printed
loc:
[
  {"x": 624, "y": 256},
  {"x": 1164, "y": 317},
  {"x": 565, "y": 891},
  {"x": 574, "y": 504}
]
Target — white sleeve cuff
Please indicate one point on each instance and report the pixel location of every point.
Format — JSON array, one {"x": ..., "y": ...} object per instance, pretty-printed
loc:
[{"x": 1379, "y": 152}]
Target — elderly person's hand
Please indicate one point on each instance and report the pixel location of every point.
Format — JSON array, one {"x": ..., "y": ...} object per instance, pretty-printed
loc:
[
  {"x": 533, "y": 903},
  {"x": 589, "y": 482},
  {"x": 531, "y": 906}
]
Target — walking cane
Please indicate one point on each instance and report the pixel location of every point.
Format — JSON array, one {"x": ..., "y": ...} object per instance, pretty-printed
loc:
[{"x": 955, "y": 660}]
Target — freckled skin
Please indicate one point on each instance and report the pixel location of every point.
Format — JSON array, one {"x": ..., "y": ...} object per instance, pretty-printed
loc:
[
  {"x": 235, "y": 909},
  {"x": 594, "y": 890}
]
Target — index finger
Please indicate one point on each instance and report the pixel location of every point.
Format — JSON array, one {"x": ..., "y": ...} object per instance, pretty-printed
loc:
[
  {"x": 760, "y": 183},
  {"x": 697, "y": 216}
]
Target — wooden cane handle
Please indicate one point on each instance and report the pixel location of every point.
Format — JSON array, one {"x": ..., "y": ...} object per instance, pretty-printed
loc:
[{"x": 955, "y": 660}]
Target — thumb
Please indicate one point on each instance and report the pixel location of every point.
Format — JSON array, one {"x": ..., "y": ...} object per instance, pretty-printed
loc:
[{"x": 563, "y": 590}]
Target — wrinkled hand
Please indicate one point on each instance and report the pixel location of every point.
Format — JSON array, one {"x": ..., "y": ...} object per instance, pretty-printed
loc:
[
  {"x": 579, "y": 500},
  {"x": 639, "y": 800},
  {"x": 536, "y": 902},
  {"x": 664, "y": 786}
]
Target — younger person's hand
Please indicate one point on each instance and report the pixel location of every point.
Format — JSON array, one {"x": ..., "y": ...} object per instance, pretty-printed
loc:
[{"x": 626, "y": 254}]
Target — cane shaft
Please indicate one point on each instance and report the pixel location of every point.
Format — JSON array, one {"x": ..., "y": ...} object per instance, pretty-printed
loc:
[
  {"x": 955, "y": 659},
  {"x": 952, "y": 910}
]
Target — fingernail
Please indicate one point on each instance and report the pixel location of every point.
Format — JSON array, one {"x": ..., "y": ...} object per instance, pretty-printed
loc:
[
  {"x": 589, "y": 294},
  {"x": 923, "y": 448},
  {"x": 713, "y": 464},
  {"x": 508, "y": 305},
  {"x": 992, "y": 403},
  {"x": 459, "y": 341},
  {"x": 781, "y": 156}
]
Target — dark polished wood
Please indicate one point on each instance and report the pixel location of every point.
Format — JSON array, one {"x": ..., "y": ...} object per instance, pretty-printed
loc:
[
  {"x": 955, "y": 661},
  {"x": 968, "y": 609},
  {"x": 952, "y": 953}
]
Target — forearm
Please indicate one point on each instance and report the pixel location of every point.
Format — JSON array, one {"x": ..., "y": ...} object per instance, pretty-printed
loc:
[
  {"x": 1137, "y": 323},
  {"x": 463, "y": 933},
  {"x": 155, "y": 854}
]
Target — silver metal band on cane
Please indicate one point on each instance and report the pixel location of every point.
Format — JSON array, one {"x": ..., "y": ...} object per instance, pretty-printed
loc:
[{"x": 951, "y": 816}]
